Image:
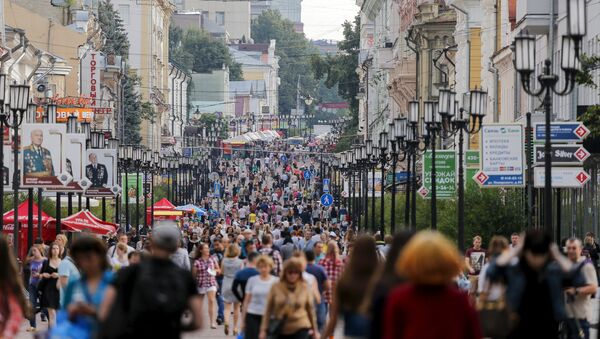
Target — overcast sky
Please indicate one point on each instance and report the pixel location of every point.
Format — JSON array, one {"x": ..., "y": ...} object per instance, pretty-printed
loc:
[{"x": 323, "y": 19}]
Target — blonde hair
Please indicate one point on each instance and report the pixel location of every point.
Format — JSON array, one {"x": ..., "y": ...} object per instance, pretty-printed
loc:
[
  {"x": 232, "y": 251},
  {"x": 430, "y": 258},
  {"x": 265, "y": 260},
  {"x": 63, "y": 238},
  {"x": 122, "y": 247}
]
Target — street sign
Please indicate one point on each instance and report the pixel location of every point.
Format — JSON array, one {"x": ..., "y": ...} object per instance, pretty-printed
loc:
[
  {"x": 327, "y": 200},
  {"x": 213, "y": 176},
  {"x": 187, "y": 152},
  {"x": 562, "y": 131},
  {"x": 445, "y": 171},
  {"x": 423, "y": 191},
  {"x": 562, "y": 154},
  {"x": 501, "y": 156},
  {"x": 401, "y": 177},
  {"x": 473, "y": 162},
  {"x": 283, "y": 158},
  {"x": 562, "y": 177},
  {"x": 307, "y": 175},
  {"x": 326, "y": 185}
]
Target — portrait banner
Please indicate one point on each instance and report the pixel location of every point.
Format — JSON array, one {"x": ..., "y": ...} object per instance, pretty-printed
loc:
[
  {"x": 100, "y": 169},
  {"x": 43, "y": 155}
]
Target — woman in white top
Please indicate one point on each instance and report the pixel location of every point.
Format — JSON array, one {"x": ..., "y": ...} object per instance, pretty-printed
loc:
[
  {"x": 231, "y": 264},
  {"x": 257, "y": 289}
]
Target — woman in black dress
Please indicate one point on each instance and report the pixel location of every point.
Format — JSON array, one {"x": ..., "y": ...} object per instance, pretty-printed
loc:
[{"x": 48, "y": 284}]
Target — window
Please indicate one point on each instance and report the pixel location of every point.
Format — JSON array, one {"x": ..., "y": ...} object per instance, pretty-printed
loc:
[
  {"x": 220, "y": 18},
  {"x": 124, "y": 14}
]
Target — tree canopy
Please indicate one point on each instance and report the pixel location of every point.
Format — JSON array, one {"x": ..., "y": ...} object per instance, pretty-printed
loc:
[
  {"x": 198, "y": 52},
  {"x": 294, "y": 52}
]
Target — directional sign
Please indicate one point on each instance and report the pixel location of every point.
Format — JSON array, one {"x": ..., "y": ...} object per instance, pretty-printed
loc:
[
  {"x": 563, "y": 131},
  {"x": 445, "y": 173},
  {"x": 562, "y": 154},
  {"x": 327, "y": 200},
  {"x": 217, "y": 190},
  {"x": 283, "y": 158},
  {"x": 307, "y": 175},
  {"x": 562, "y": 177},
  {"x": 326, "y": 185},
  {"x": 501, "y": 156}
]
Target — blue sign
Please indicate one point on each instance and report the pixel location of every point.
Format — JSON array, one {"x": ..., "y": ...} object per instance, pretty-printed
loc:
[
  {"x": 401, "y": 177},
  {"x": 498, "y": 179},
  {"x": 567, "y": 131},
  {"x": 283, "y": 158},
  {"x": 326, "y": 185},
  {"x": 307, "y": 175},
  {"x": 217, "y": 190},
  {"x": 326, "y": 200},
  {"x": 187, "y": 152}
]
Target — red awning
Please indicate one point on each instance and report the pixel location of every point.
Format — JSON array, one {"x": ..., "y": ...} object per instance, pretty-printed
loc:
[
  {"x": 85, "y": 221},
  {"x": 163, "y": 205},
  {"x": 9, "y": 217}
]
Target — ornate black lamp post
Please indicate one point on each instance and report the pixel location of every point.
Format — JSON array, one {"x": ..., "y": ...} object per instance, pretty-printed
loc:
[
  {"x": 524, "y": 60},
  {"x": 397, "y": 133}
]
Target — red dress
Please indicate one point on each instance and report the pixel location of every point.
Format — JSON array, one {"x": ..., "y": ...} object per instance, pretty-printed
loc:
[{"x": 430, "y": 312}]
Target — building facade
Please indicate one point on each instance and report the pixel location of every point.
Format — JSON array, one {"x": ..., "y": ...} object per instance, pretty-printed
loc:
[{"x": 233, "y": 15}]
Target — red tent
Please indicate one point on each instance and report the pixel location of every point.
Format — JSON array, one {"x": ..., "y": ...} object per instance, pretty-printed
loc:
[
  {"x": 85, "y": 221},
  {"x": 163, "y": 210},
  {"x": 9, "y": 217}
]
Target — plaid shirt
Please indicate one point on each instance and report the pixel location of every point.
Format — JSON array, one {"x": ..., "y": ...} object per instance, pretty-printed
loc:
[
  {"x": 276, "y": 256},
  {"x": 203, "y": 278},
  {"x": 334, "y": 270}
]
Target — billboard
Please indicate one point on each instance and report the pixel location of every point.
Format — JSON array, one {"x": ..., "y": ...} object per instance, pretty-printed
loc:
[
  {"x": 100, "y": 169},
  {"x": 74, "y": 152},
  {"x": 43, "y": 155}
]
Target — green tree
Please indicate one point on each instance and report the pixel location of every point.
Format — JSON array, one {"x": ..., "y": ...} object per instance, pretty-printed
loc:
[
  {"x": 117, "y": 43},
  {"x": 294, "y": 52},
  {"x": 591, "y": 117},
  {"x": 197, "y": 51}
]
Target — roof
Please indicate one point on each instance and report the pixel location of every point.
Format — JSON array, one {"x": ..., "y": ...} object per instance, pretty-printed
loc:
[
  {"x": 246, "y": 58},
  {"x": 247, "y": 87}
]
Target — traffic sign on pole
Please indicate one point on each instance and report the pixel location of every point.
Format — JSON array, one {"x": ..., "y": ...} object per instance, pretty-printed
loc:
[
  {"x": 326, "y": 182},
  {"x": 307, "y": 175},
  {"x": 283, "y": 158},
  {"x": 562, "y": 177},
  {"x": 217, "y": 190},
  {"x": 562, "y": 131},
  {"x": 501, "y": 156},
  {"x": 326, "y": 200},
  {"x": 562, "y": 154},
  {"x": 423, "y": 191}
]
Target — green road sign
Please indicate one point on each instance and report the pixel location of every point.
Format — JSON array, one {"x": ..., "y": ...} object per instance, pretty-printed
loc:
[
  {"x": 473, "y": 164},
  {"x": 445, "y": 169}
]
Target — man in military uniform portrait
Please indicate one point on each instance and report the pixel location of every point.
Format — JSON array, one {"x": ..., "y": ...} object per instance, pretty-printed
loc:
[
  {"x": 96, "y": 172},
  {"x": 37, "y": 160}
]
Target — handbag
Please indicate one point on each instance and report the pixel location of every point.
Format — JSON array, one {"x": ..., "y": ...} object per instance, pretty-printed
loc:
[
  {"x": 494, "y": 315},
  {"x": 275, "y": 327}
]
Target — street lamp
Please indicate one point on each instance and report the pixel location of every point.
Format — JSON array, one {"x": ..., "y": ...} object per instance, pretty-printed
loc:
[
  {"x": 19, "y": 99},
  {"x": 383, "y": 159},
  {"x": 455, "y": 121},
  {"x": 397, "y": 132},
  {"x": 524, "y": 61},
  {"x": 2, "y": 123},
  {"x": 430, "y": 132}
]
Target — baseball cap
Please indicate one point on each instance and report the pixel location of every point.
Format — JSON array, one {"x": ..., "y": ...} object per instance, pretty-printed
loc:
[
  {"x": 332, "y": 234},
  {"x": 166, "y": 235}
]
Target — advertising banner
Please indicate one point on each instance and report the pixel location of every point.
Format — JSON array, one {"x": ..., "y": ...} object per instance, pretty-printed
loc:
[
  {"x": 502, "y": 159},
  {"x": 101, "y": 170},
  {"x": 43, "y": 159},
  {"x": 91, "y": 64},
  {"x": 74, "y": 153},
  {"x": 130, "y": 186},
  {"x": 445, "y": 171}
]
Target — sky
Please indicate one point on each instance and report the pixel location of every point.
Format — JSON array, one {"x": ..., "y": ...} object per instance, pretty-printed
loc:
[{"x": 323, "y": 19}]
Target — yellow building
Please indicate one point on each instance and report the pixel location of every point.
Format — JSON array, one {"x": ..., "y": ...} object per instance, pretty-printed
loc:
[{"x": 147, "y": 25}]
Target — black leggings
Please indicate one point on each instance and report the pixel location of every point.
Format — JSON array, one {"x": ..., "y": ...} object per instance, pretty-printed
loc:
[
  {"x": 301, "y": 334},
  {"x": 252, "y": 326}
]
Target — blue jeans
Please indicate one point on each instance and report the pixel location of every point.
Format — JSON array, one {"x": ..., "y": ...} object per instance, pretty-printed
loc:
[
  {"x": 220, "y": 303},
  {"x": 33, "y": 299},
  {"x": 573, "y": 329},
  {"x": 321, "y": 310}
]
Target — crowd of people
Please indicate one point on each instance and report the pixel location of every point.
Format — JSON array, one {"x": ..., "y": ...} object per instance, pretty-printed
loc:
[{"x": 271, "y": 262}]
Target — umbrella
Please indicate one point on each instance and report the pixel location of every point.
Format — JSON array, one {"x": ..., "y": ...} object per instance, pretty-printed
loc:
[{"x": 190, "y": 208}]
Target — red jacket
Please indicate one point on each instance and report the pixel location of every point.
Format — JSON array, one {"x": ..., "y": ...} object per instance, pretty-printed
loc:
[{"x": 425, "y": 312}]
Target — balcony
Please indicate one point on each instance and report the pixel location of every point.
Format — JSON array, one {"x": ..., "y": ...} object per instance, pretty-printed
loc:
[{"x": 533, "y": 16}]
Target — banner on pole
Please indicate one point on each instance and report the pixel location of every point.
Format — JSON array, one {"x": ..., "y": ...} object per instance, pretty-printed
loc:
[
  {"x": 445, "y": 171},
  {"x": 502, "y": 159}
]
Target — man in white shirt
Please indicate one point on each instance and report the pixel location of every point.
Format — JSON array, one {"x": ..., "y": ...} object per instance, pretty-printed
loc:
[{"x": 112, "y": 251}]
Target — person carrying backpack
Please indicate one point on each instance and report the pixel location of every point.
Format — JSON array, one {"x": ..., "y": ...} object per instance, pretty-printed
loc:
[{"x": 148, "y": 300}]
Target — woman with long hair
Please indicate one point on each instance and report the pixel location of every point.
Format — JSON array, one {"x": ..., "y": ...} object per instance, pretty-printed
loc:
[
  {"x": 49, "y": 283},
  {"x": 84, "y": 296},
  {"x": 36, "y": 261},
  {"x": 290, "y": 304},
  {"x": 334, "y": 266},
  {"x": 231, "y": 264},
  {"x": 257, "y": 290},
  {"x": 349, "y": 294},
  {"x": 205, "y": 270},
  {"x": 13, "y": 305},
  {"x": 61, "y": 240},
  {"x": 429, "y": 305},
  {"x": 383, "y": 283}
]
